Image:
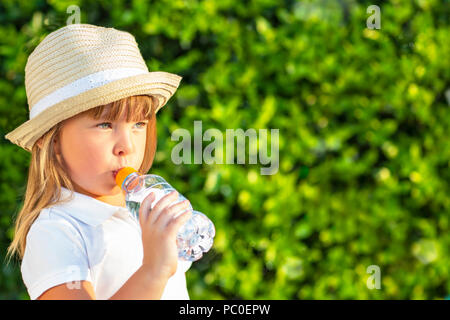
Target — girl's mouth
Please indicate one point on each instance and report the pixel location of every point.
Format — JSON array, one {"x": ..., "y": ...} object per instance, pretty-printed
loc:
[{"x": 114, "y": 172}]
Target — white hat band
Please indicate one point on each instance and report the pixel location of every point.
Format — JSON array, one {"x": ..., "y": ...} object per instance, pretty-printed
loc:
[{"x": 81, "y": 85}]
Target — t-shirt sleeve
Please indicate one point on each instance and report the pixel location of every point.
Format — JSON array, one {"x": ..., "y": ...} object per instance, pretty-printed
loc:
[{"x": 54, "y": 254}]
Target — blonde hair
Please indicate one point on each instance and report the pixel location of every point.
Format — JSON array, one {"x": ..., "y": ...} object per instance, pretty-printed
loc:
[{"x": 46, "y": 173}]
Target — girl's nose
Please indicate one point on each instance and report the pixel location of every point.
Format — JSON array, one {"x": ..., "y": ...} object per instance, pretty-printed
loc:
[{"x": 124, "y": 143}]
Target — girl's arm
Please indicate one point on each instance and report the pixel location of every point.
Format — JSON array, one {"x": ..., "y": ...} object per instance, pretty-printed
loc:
[
  {"x": 62, "y": 292},
  {"x": 142, "y": 285}
]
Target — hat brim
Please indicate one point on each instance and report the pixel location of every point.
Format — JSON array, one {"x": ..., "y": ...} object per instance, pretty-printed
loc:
[{"x": 161, "y": 85}]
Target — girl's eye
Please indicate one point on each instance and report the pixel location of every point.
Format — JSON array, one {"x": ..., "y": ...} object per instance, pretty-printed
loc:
[
  {"x": 102, "y": 124},
  {"x": 142, "y": 124}
]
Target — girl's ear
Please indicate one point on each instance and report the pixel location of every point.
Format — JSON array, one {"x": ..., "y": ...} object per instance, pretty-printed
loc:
[
  {"x": 56, "y": 146},
  {"x": 55, "y": 143}
]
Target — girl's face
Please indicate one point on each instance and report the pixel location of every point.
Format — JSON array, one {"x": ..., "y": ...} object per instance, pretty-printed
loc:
[{"x": 92, "y": 149}]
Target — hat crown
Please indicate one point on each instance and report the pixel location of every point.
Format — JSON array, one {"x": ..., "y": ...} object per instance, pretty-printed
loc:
[{"x": 74, "y": 52}]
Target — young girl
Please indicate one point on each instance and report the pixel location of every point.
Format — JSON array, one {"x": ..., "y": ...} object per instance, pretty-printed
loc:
[{"x": 93, "y": 106}]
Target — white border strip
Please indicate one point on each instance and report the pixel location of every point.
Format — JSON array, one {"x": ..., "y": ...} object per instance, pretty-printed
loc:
[{"x": 82, "y": 85}]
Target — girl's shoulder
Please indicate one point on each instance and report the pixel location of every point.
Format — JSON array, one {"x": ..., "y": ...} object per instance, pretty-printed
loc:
[
  {"x": 54, "y": 215},
  {"x": 51, "y": 218}
]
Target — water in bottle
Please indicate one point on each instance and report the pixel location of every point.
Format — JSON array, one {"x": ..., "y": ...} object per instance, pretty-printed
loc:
[{"x": 194, "y": 238}]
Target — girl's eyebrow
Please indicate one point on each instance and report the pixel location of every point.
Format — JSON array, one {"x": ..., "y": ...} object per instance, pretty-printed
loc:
[{"x": 103, "y": 118}]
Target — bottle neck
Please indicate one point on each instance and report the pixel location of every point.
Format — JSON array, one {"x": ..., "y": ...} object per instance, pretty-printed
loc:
[{"x": 131, "y": 182}]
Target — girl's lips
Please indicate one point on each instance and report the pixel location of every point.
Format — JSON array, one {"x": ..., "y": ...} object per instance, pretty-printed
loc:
[{"x": 115, "y": 172}]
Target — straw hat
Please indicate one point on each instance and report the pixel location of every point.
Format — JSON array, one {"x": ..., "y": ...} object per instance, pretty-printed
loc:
[{"x": 81, "y": 66}]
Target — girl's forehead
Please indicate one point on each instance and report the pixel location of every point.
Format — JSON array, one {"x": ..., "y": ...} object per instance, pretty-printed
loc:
[
  {"x": 108, "y": 114},
  {"x": 117, "y": 112}
]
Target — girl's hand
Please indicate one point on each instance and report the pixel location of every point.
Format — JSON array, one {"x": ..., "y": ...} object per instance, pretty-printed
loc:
[{"x": 159, "y": 231}]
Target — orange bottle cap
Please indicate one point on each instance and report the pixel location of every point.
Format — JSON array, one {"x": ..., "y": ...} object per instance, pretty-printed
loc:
[{"x": 122, "y": 174}]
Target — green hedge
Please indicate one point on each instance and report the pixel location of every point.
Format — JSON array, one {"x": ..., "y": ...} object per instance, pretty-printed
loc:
[{"x": 364, "y": 149}]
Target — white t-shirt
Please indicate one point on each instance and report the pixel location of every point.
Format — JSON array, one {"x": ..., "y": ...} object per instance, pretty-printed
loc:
[{"x": 87, "y": 239}]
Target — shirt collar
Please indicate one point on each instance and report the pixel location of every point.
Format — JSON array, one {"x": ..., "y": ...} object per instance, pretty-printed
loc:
[{"x": 89, "y": 210}]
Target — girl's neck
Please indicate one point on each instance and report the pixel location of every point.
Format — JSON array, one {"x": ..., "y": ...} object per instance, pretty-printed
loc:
[{"x": 117, "y": 199}]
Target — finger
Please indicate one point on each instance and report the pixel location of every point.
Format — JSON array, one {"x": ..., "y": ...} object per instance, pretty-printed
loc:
[
  {"x": 172, "y": 212},
  {"x": 145, "y": 206},
  {"x": 161, "y": 205},
  {"x": 175, "y": 224}
]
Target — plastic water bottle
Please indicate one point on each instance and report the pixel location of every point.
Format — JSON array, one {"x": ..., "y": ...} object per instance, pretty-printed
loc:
[{"x": 193, "y": 238}]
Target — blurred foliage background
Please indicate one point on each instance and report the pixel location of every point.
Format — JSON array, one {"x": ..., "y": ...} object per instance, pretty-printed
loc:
[{"x": 363, "y": 119}]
